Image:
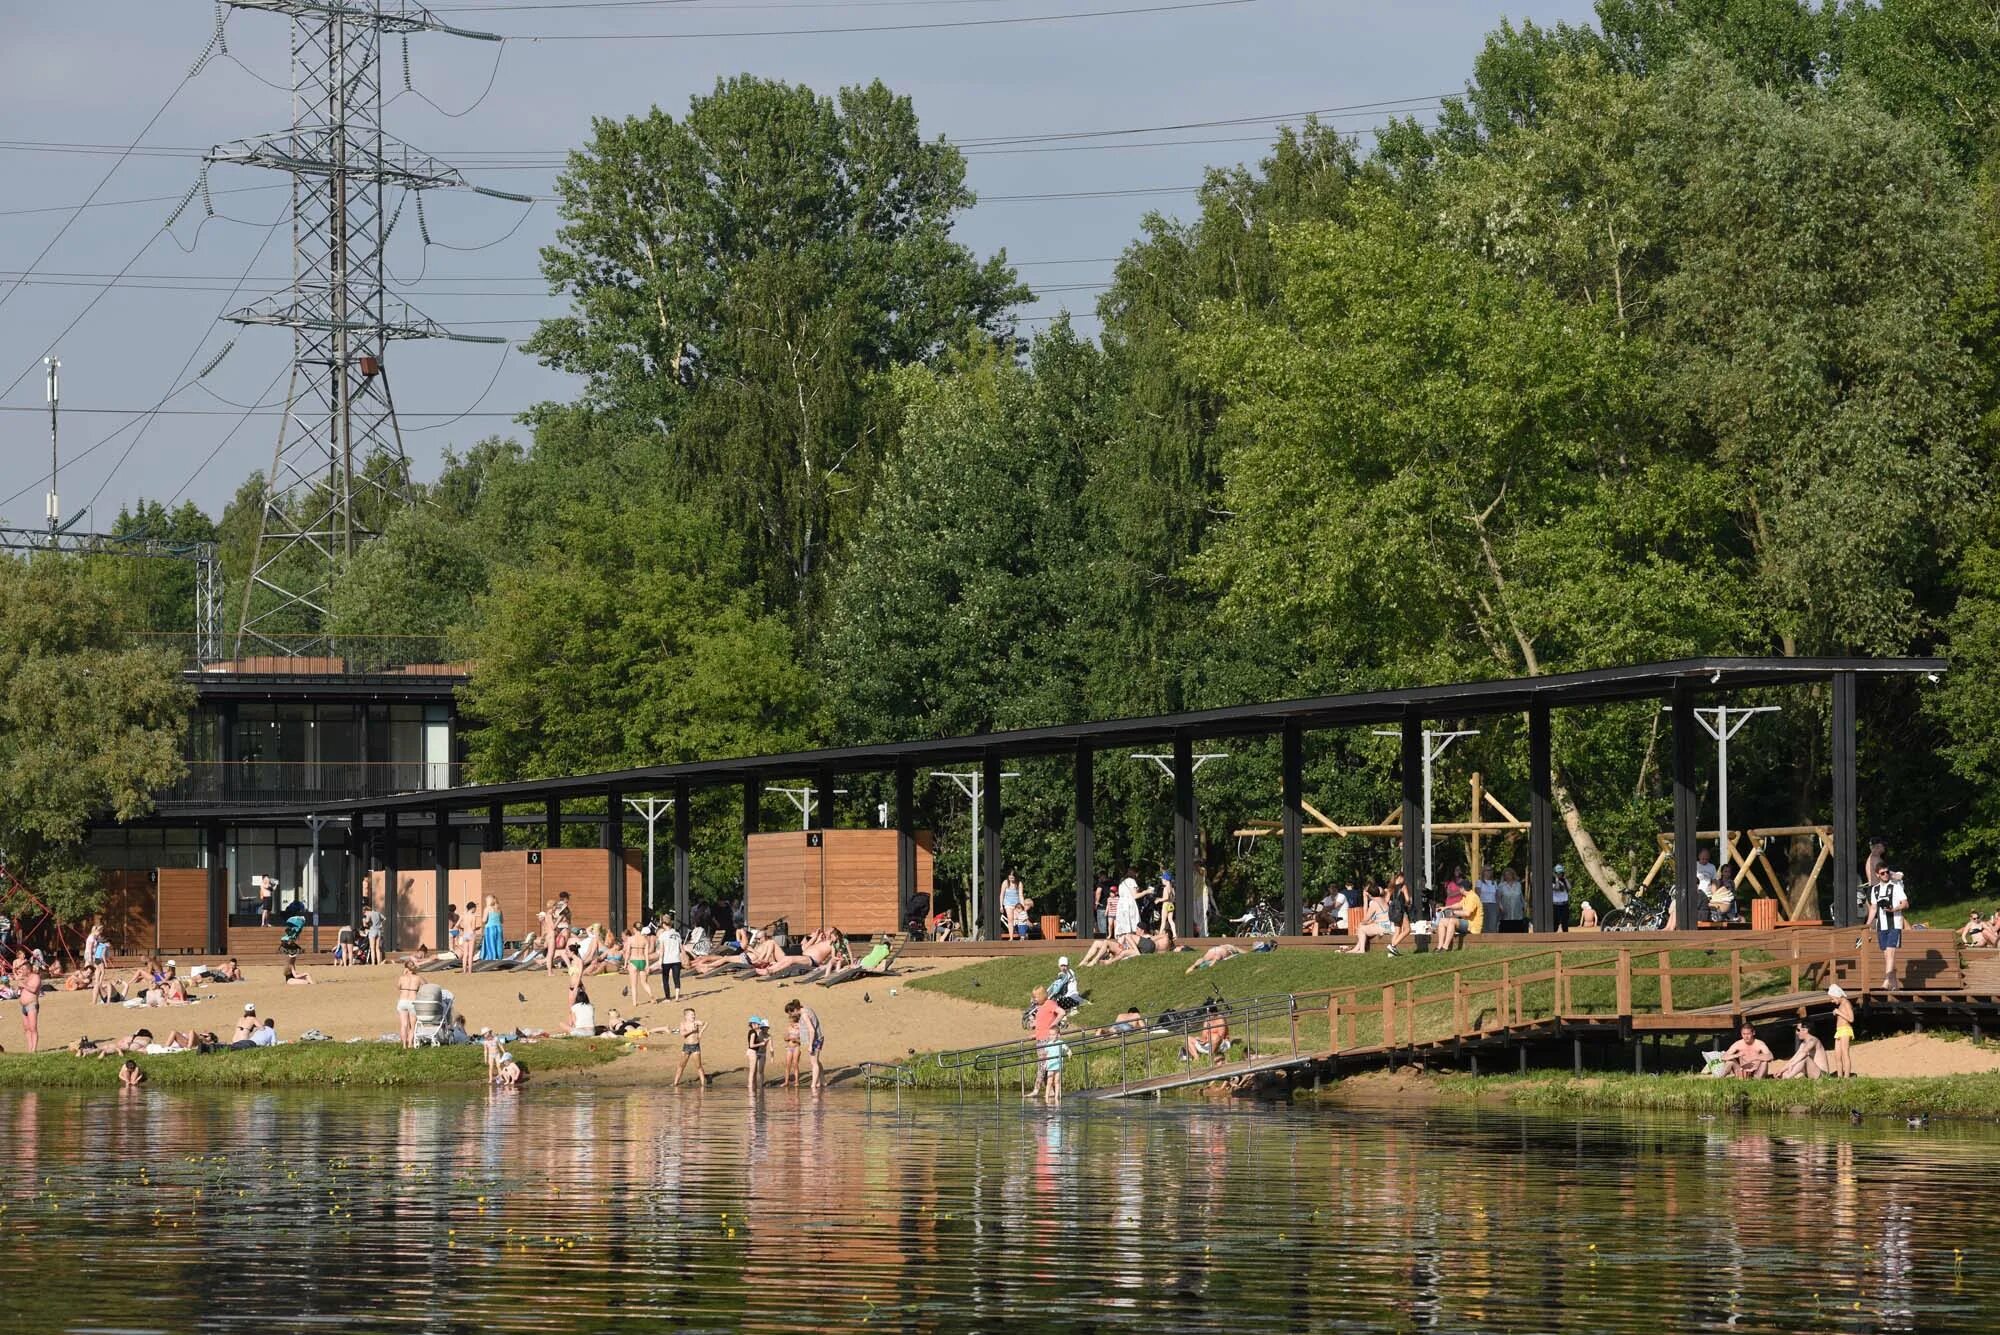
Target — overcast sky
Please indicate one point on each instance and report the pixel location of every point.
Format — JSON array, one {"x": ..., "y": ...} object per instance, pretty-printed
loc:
[{"x": 93, "y": 72}]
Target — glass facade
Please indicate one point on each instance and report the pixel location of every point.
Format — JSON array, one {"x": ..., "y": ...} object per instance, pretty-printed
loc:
[{"x": 295, "y": 752}]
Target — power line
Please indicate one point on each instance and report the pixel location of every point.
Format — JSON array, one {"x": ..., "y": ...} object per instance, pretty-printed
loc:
[
  {"x": 873, "y": 27},
  {"x": 200, "y": 59}
]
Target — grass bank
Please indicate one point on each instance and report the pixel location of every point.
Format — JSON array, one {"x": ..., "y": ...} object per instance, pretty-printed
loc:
[
  {"x": 1951, "y": 1096},
  {"x": 1159, "y": 983},
  {"x": 301, "y": 1065}
]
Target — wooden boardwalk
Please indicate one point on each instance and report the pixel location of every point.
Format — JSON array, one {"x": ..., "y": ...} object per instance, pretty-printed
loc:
[{"x": 1200, "y": 1075}]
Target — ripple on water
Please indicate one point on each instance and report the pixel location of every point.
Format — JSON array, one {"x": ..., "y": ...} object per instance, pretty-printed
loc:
[{"x": 570, "y": 1211}]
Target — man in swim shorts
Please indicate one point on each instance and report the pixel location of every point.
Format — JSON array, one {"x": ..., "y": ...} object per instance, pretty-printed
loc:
[
  {"x": 691, "y": 1028},
  {"x": 811, "y": 1035},
  {"x": 28, "y": 980}
]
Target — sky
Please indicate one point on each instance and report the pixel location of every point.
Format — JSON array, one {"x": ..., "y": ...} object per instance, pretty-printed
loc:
[{"x": 82, "y": 83}]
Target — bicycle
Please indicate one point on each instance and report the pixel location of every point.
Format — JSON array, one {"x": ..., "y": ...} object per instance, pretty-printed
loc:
[
  {"x": 1260, "y": 920},
  {"x": 1639, "y": 914}
]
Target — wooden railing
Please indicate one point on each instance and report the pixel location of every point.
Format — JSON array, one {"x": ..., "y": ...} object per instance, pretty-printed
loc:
[{"x": 1563, "y": 983}]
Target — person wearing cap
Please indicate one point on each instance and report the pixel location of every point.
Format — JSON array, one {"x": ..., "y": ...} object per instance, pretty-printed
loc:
[
  {"x": 247, "y": 1025},
  {"x": 1843, "y": 1032},
  {"x": 1063, "y": 991},
  {"x": 1559, "y": 898},
  {"x": 511, "y": 1072}
]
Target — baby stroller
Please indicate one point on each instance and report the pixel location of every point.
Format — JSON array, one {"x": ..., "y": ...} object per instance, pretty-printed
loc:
[
  {"x": 289, "y": 942},
  {"x": 433, "y": 1005}
]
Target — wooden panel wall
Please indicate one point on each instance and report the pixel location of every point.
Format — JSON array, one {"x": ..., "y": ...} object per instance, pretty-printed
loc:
[
  {"x": 848, "y": 882},
  {"x": 418, "y": 906},
  {"x": 128, "y": 911},
  {"x": 183, "y": 910},
  {"x": 524, "y": 888}
]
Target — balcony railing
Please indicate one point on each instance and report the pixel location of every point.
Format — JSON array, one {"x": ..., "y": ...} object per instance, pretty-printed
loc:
[
  {"x": 301, "y": 783},
  {"x": 321, "y": 655}
]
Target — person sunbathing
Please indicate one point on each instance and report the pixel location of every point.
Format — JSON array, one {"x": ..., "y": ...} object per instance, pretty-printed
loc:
[
  {"x": 1127, "y": 1021},
  {"x": 1213, "y": 1039},
  {"x": 170, "y": 992},
  {"x": 1374, "y": 923},
  {"x": 294, "y": 974},
  {"x": 1215, "y": 955},
  {"x": 1974, "y": 931},
  {"x": 1108, "y": 949},
  {"x": 138, "y": 1041},
  {"x": 1808, "y": 1058},
  {"x": 1990, "y": 937}
]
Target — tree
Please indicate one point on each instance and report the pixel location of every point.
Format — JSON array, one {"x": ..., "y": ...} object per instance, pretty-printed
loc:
[
  {"x": 89, "y": 726},
  {"x": 741, "y": 277},
  {"x": 623, "y": 640},
  {"x": 419, "y": 578},
  {"x": 1436, "y": 470}
]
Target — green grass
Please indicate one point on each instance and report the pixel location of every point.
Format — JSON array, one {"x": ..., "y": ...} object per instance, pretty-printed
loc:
[
  {"x": 296, "y": 1065},
  {"x": 1160, "y": 983},
  {"x": 1960, "y": 1096}
]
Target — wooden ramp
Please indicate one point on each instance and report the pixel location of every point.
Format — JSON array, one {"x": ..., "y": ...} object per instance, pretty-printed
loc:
[{"x": 1199, "y": 1075}]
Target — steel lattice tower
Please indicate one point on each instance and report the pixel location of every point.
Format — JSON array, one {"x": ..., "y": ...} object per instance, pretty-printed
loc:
[{"x": 338, "y": 466}]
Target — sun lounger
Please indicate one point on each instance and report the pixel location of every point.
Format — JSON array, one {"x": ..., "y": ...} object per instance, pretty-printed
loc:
[
  {"x": 793, "y": 968},
  {"x": 879, "y": 962},
  {"x": 516, "y": 960},
  {"x": 439, "y": 963}
]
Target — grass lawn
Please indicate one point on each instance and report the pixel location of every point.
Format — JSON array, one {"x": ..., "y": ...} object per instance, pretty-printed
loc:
[
  {"x": 1962, "y": 1096},
  {"x": 296, "y": 1065},
  {"x": 1156, "y": 984}
]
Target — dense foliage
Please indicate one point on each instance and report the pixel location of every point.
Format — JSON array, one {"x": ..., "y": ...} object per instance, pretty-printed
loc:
[{"x": 1674, "y": 335}]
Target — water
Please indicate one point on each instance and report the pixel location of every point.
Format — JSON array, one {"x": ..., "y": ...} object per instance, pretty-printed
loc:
[{"x": 595, "y": 1210}]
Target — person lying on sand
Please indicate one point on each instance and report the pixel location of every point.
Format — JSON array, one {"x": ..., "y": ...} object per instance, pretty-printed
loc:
[{"x": 139, "y": 1041}]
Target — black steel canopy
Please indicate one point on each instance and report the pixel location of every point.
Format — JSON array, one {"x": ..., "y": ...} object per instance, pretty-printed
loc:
[{"x": 1681, "y": 681}]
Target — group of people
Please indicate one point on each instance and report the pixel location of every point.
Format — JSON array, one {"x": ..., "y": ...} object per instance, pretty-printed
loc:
[
  {"x": 1750, "y": 1057},
  {"x": 805, "y": 1040}
]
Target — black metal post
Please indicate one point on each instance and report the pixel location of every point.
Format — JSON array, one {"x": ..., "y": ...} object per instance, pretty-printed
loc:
[
  {"x": 820, "y": 815},
  {"x": 218, "y": 892},
  {"x": 392, "y": 878},
  {"x": 552, "y": 812},
  {"x": 441, "y": 861},
  {"x": 1687, "y": 806},
  {"x": 1187, "y": 894},
  {"x": 906, "y": 839},
  {"x": 1085, "y": 775},
  {"x": 1846, "y": 858},
  {"x": 991, "y": 821},
  {"x": 614, "y": 846},
  {"x": 1292, "y": 784},
  {"x": 1413, "y": 805},
  {"x": 496, "y": 828},
  {"x": 1541, "y": 819},
  {"x": 683, "y": 852}
]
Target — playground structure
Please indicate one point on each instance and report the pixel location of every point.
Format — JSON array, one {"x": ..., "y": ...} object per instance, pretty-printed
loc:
[
  {"x": 1477, "y": 827},
  {"x": 1797, "y": 902}
]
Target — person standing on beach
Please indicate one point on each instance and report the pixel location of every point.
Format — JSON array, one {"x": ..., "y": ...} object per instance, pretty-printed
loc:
[
  {"x": 406, "y": 1002},
  {"x": 691, "y": 1028},
  {"x": 638, "y": 959},
  {"x": 812, "y": 1036},
  {"x": 669, "y": 938},
  {"x": 1843, "y": 1032},
  {"x": 28, "y": 982},
  {"x": 371, "y": 922},
  {"x": 493, "y": 944},
  {"x": 756, "y": 1045}
]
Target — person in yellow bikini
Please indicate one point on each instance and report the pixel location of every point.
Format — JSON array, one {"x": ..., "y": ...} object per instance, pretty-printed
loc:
[{"x": 1843, "y": 1032}]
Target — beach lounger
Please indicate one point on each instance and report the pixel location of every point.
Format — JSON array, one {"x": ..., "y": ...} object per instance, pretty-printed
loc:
[
  {"x": 438, "y": 964},
  {"x": 796, "y": 968},
  {"x": 512, "y": 960},
  {"x": 879, "y": 962}
]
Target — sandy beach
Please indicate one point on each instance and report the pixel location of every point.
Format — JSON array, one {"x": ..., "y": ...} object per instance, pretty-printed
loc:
[{"x": 874, "y": 1019}]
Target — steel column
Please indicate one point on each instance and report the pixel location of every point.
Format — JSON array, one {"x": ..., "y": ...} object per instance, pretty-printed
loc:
[
  {"x": 441, "y": 867},
  {"x": 1187, "y": 895},
  {"x": 683, "y": 852},
  {"x": 1292, "y": 786},
  {"x": 552, "y": 813},
  {"x": 1846, "y": 826},
  {"x": 1084, "y": 772},
  {"x": 819, "y": 815},
  {"x": 614, "y": 847},
  {"x": 1687, "y": 808},
  {"x": 1412, "y": 766},
  {"x": 496, "y": 828},
  {"x": 906, "y": 839},
  {"x": 1541, "y": 819},
  {"x": 991, "y": 821}
]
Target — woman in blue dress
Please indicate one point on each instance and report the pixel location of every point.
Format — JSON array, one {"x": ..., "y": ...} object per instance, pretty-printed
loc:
[{"x": 494, "y": 945}]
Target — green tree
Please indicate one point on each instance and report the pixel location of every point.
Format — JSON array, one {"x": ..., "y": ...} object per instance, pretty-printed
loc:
[
  {"x": 741, "y": 277},
  {"x": 89, "y": 726}
]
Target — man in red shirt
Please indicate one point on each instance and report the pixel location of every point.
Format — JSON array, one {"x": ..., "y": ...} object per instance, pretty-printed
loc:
[{"x": 1047, "y": 1015}]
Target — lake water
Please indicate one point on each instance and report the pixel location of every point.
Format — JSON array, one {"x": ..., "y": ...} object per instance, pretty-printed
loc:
[{"x": 643, "y": 1210}]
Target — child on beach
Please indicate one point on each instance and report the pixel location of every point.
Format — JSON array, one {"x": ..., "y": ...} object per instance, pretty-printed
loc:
[
  {"x": 130, "y": 1076},
  {"x": 757, "y": 1044},
  {"x": 691, "y": 1046},
  {"x": 1053, "y": 1053},
  {"x": 791, "y": 1054},
  {"x": 494, "y": 1052}
]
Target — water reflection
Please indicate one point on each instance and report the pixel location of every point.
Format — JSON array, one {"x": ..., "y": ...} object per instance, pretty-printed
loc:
[{"x": 571, "y": 1211}]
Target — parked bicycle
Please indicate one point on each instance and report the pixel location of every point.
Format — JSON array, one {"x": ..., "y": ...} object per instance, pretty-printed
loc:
[
  {"x": 1261, "y": 920},
  {"x": 1641, "y": 913}
]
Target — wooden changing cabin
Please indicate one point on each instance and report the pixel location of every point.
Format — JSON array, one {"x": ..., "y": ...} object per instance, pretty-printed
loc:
[{"x": 830, "y": 878}]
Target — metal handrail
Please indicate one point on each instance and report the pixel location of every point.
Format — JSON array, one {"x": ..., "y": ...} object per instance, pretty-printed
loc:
[{"x": 1244, "y": 1013}]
